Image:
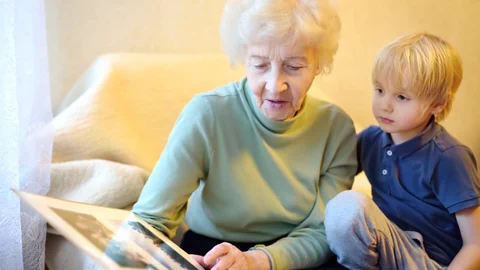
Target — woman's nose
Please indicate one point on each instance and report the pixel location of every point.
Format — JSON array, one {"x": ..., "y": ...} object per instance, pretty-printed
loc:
[{"x": 276, "y": 82}]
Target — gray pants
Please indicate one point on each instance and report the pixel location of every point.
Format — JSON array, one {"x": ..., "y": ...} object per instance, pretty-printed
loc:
[{"x": 362, "y": 237}]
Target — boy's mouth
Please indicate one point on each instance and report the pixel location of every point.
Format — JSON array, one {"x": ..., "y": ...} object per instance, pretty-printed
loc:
[{"x": 385, "y": 120}]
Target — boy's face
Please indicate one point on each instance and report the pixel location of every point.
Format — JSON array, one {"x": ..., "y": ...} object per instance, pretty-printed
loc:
[{"x": 400, "y": 112}]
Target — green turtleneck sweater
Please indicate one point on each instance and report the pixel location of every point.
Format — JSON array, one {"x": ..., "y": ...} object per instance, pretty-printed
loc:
[{"x": 252, "y": 179}]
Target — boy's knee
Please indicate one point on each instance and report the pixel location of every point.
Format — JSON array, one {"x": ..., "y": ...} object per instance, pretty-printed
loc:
[
  {"x": 346, "y": 202},
  {"x": 344, "y": 211}
]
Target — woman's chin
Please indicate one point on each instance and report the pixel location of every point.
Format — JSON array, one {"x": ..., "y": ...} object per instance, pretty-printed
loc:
[{"x": 277, "y": 115}]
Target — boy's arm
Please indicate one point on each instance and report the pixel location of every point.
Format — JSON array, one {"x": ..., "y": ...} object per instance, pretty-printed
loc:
[
  {"x": 359, "y": 151},
  {"x": 457, "y": 186},
  {"x": 469, "y": 223}
]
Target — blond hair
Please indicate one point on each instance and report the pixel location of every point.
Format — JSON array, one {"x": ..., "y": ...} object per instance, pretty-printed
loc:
[
  {"x": 279, "y": 22},
  {"x": 423, "y": 64}
]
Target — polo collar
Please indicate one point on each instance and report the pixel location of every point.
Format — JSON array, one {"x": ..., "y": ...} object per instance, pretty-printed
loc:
[{"x": 411, "y": 146}]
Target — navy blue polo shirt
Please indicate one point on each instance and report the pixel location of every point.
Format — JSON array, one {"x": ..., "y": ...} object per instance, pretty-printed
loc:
[{"x": 420, "y": 184}]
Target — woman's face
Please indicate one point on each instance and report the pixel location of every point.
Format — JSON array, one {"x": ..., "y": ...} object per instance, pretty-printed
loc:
[{"x": 280, "y": 77}]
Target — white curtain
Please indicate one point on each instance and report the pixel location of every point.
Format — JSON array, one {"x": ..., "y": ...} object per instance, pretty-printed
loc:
[{"x": 26, "y": 135}]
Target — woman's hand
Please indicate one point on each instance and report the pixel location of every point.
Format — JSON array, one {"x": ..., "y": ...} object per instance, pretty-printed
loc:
[{"x": 227, "y": 256}]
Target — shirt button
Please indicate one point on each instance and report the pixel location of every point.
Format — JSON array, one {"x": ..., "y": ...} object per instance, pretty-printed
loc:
[
  {"x": 384, "y": 172},
  {"x": 389, "y": 152}
]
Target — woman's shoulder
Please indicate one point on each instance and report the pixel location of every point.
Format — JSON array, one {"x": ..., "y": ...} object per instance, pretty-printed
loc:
[
  {"x": 226, "y": 92},
  {"x": 223, "y": 92},
  {"x": 226, "y": 97}
]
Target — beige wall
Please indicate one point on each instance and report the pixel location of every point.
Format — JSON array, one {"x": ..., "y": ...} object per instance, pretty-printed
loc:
[{"x": 80, "y": 30}]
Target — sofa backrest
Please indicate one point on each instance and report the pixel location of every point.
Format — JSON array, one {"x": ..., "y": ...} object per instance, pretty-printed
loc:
[{"x": 124, "y": 106}]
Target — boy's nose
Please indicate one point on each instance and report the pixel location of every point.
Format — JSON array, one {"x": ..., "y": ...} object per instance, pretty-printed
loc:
[{"x": 386, "y": 105}]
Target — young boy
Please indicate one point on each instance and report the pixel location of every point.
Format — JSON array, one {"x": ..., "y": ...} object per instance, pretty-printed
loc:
[{"x": 425, "y": 211}]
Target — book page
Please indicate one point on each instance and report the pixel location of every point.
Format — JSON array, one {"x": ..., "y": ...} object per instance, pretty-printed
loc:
[{"x": 114, "y": 238}]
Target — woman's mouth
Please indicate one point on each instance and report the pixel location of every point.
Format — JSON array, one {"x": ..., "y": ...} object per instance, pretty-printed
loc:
[{"x": 276, "y": 103}]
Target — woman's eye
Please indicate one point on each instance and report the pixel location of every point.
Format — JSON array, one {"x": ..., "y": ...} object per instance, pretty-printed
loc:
[
  {"x": 290, "y": 67},
  {"x": 260, "y": 66}
]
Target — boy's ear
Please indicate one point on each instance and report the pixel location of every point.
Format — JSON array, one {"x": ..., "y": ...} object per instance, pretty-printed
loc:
[{"x": 438, "y": 108}]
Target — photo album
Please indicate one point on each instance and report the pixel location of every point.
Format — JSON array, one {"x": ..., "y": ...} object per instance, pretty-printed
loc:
[{"x": 113, "y": 238}]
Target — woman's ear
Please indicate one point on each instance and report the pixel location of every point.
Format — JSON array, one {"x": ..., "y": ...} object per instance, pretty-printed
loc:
[
  {"x": 318, "y": 63},
  {"x": 318, "y": 69}
]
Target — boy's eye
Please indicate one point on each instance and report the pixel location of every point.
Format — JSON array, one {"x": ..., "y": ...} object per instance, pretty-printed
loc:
[
  {"x": 402, "y": 97},
  {"x": 379, "y": 90}
]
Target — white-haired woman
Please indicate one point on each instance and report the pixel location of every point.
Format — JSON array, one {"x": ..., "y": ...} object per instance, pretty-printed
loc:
[{"x": 258, "y": 158}]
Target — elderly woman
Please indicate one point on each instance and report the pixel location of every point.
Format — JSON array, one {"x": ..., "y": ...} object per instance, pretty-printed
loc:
[{"x": 258, "y": 159}]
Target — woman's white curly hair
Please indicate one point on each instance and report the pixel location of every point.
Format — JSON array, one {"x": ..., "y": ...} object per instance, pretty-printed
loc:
[{"x": 314, "y": 22}]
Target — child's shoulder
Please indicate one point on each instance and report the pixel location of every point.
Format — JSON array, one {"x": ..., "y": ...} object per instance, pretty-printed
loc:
[
  {"x": 452, "y": 151},
  {"x": 455, "y": 171},
  {"x": 370, "y": 133},
  {"x": 445, "y": 141}
]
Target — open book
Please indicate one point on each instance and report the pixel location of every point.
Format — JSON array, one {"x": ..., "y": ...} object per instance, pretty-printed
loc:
[{"x": 113, "y": 238}]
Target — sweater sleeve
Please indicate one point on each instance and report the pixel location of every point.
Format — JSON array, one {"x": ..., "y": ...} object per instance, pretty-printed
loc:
[
  {"x": 306, "y": 246},
  {"x": 183, "y": 164}
]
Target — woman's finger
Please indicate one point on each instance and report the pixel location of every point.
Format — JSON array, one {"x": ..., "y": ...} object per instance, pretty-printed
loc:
[
  {"x": 216, "y": 252},
  {"x": 225, "y": 262},
  {"x": 199, "y": 260}
]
